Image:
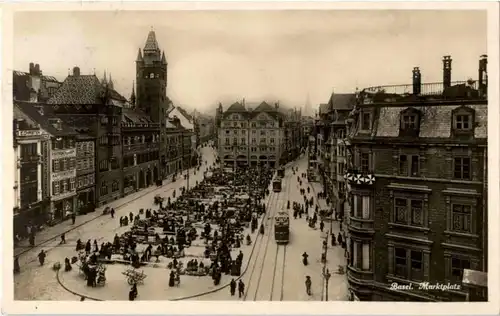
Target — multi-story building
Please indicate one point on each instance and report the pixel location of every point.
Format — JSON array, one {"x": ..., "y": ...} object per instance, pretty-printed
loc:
[
  {"x": 84, "y": 102},
  {"x": 418, "y": 188},
  {"x": 291, "y": 135},
  {"x": 30, "y": 208},
  {"x": 85, "y": 172},
  {"x": 33, "y": 86},
  {"x": 186, "y": 125},
  {"x": 141, "y": 146},
  {"x": 174, "y": 145},
  {"x": 151, "y": 87},
  {"x": 332, "y": 130},
  {"x": 250, "y": 137},
  {"x": 58, "y": 154}
]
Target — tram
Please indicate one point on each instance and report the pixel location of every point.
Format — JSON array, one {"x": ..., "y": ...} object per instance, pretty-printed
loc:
[
  {"x": 282, "y": 227},
  {"x": 277, "y": 185},
  {"x": 281, "y": 172}
]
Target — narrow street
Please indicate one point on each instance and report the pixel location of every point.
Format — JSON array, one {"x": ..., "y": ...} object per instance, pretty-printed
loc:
[{"x": 39, "y": 282}]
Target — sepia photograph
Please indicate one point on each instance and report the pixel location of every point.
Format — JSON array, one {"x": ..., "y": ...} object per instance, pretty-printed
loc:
[{"x": 333, "y": 155}]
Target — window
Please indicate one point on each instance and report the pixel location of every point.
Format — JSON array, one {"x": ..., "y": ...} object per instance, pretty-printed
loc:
[
  {"x": 228, "y": 142},
  {"x": 461, "y": 218},
  {"x": 365, "y": 121},
  {"x": 366, "y": 257},
  {"x": 400, "y": 265},
  {"x": 243, "y": 141},
  {"x": 79, "y": 164},
  {"x": 262, "y": 133},
  {"x": 254, "y": 124},
  {"x": 235, "y": 132},
  {"x": 243, "y": 132},
  {"x": 104, "y": 188},
  {"x": 55, "y": 166},
  {"x": 462, "y": 168},
  {"x": 65, "y": 185},
  {"x": 463, "y": 122},
  {"x": 254, "y": 141},
  {"x": 114, "y": 186},
  {"x": 409, "y": 165},
  {"x": 417, "y": 266},
  {"x": 457, "y": 268},
  {"x": 72, "y": 184},
  {"x": 254, "y": 132},
  {"x": 55, "y": 187},
  {"x": 408, "y": 212},
  {"x": 364, "y": 162},
  {"x": 361, "y": 206},
  {"x": 262, "y": 140},
  {"x": 272, "y": 140},
  {"x": 409, "y": 121},
  {"x": 235, "y": 141}
]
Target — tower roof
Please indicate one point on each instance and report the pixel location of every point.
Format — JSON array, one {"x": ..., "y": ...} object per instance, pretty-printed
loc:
[
  {"x": 163, "y": 59},
  {"x": 151, "y": 43},
  {"x": 139, "y": 56}
]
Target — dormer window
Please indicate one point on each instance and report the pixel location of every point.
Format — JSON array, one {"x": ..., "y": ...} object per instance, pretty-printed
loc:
[
  {"x": 151, "y": 75},
  {"x": 463, "y": 120},
  {"x": 409, "y": 121},
  {"x": 365, "y": 121}
]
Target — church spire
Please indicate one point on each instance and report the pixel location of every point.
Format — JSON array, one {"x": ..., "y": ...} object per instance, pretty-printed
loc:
[
  {"x": 132, "y": 96},
  {"x": 104, "y": 80},
  {"x": 110, "y": 82}
]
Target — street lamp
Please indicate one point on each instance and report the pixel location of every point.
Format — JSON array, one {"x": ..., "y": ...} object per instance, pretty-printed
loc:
[{"x": 326, "y": 276}]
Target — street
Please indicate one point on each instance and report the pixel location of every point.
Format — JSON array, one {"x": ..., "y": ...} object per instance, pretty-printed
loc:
[
  {"x": 40, "y": 283},
  {"x": 276, "y": 272}
]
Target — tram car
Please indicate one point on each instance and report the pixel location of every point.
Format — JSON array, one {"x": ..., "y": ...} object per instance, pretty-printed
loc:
[
  {"x": 282, "y": 227},
  {"x": 281, "y": 172},
  {"x": 277, "y": 185}
]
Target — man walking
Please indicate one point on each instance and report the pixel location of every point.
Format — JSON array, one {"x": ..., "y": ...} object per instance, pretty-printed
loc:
[{"x": 241, "y": 288}]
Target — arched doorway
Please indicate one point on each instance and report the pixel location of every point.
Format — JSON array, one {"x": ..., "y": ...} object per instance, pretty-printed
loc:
[
  {"x": 148, "y": 178},
  {"x": 141, "y": 179}
]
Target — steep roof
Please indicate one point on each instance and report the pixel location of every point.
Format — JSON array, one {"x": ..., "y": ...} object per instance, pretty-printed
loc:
[
  {"x": 82, "y": 89},
  {"x": 341, "y": 101},
  {"x": 135, "y": 116},
  {"x": 31, "y": 110},
  {"x": 323, "y": 108},
  {"x": 185, "y": 113},
  {"x": 435, "y": 122},
  {"x": 151, "y": 43},
  {"x": 264, "y": 107},
  {"x": 236, "y": 108}
]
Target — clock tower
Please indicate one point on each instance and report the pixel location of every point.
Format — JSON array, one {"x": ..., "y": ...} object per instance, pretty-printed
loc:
[{"x": 151, "y": 80}]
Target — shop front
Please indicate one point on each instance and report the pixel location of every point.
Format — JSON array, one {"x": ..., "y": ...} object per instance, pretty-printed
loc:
[{"x": 62, "y": 208}]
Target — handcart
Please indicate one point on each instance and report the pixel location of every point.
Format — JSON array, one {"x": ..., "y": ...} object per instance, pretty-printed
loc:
[{"x": 134, "y": 277}]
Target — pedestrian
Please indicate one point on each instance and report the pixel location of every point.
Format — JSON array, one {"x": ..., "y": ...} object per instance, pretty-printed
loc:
[
  {"x": 41, "y": 257},
  {"x": 339, "y": 238},
  {"x": 63, "y": 239},
  {"x": 333, "y": 239},
  {"x": 321, "y": 225},
  {"x": 308, "y": 285},
  {"x": 232, "y": 287},
  {"x": 73, "y": 218},
  {"x": 241, "y": 288},
  {"x": 112, "y": 213}
]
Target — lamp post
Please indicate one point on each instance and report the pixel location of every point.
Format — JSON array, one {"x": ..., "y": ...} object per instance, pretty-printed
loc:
[{"x": 326, "y": 276}]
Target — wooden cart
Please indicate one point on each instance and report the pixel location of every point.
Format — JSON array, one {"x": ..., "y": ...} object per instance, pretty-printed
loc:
[{"x": 134, "y": 277}]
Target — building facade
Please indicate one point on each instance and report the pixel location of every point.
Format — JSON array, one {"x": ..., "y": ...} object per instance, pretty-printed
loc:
[
  {"x": 85, "y": 103},
  {"x": 141, "y": 148},
  {"x": 418, "y": 187},
  {"x": 33, "y": 86},
  {"x": 174, "y": 145},
  {"x": 250, "y": 137},
  {"x": 30, "y": 208},
  {"x": 85, "y": 173}
]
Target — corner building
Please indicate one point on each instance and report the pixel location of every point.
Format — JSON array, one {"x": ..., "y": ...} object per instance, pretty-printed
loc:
[{"x": 418, "y": 180}]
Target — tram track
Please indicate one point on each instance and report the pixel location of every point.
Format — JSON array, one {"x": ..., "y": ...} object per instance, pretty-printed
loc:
[{"x": 263, "y": 264}]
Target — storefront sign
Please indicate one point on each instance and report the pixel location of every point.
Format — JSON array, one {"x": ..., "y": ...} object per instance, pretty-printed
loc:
[
  {"x": 62, "y": 153},
  {"x": 63, "y": 175},
  {"x": 29, "y": 133},
  {"x": 63, "y": 196}
]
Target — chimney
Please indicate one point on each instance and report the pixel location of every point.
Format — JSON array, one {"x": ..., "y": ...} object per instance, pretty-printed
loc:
[
  {"x": 417, "y": 81},
  {"x": 37, "y": 70},
  {"x": 76, "y": 71},
  {"x": 32, "y": 68},
  {"x": 446, "y": 72},
  {"x": 483, "y": 75}
]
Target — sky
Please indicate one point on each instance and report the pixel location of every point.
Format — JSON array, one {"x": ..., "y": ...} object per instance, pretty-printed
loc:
[{"x": 225, "y": 56}]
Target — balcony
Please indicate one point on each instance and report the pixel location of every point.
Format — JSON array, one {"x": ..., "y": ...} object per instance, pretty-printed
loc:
[
  {"x": 359, "y": 225},
  {"x": 358, "y": 276},
  {"x": 139, "y": 127},
  {"x": 138, "y": 148},
  {"x": 30, "y": 159},
  {"x": 470, "y": 90}
]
